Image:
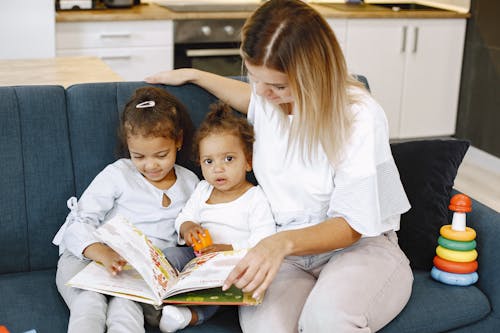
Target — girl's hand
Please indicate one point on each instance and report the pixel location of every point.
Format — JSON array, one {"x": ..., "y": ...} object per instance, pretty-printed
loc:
[
  {"x": 255, "y": 272},
  {"x": 174, "y": 77},
  {"x": 216, "y": 248},
  {"x": 105, "y": 255},
  {"x": 190, "y": 232}
]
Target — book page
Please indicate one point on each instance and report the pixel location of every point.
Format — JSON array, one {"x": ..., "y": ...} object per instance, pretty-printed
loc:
[
  {"x": 207, "y": 271},
  {"x": 139, "y": 252},
  {"x": 129, "y": 283}
]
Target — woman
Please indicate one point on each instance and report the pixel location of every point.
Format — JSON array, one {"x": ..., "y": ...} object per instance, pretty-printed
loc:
[{"x": 323, "y": 159}]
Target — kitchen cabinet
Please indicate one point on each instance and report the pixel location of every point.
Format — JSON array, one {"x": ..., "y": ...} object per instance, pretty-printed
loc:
[
  {"x": 133, "y": 49},
  {"x": 414, "y": 67}
]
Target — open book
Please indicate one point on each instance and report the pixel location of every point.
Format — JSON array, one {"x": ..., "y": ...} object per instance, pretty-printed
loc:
[{"x": 149, "y": 278}]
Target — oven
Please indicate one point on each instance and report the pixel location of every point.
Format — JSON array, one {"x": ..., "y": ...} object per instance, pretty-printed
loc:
[{"x": 210, "y": 45}]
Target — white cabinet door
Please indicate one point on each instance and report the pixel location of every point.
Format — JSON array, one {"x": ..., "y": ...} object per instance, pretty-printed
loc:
[
  {"x": 132, "y": 64},
  {"x": 413, "y": 67},
  {"x": 432, "y": 78},
  {"x": 376, "y": 49},
  {"x": 132, "y": 49}
]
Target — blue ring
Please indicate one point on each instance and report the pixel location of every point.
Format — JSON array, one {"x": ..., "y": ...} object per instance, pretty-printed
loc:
[{"x": 454, "y": 279}]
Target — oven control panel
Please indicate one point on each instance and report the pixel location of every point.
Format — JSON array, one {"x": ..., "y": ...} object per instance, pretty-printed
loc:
[{"x": 207, "y": 31}]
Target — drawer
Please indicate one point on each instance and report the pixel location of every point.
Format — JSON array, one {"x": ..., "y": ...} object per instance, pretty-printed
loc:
[
  {"x": 131, "y": 64},
  {"x": 75, "y": 35}
]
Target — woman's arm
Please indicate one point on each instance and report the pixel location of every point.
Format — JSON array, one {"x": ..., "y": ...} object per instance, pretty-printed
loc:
[
  {"x": 257, "y": 269},
  {"x": 234, "y": 92}
]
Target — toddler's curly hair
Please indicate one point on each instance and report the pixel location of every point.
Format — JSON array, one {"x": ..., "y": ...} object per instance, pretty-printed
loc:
[{"x": 223, "y": 120}]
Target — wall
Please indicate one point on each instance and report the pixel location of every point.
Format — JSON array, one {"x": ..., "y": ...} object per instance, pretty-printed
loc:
[
  {"x": 479, "y": 103},
  {"x": 27, "y": 29}
]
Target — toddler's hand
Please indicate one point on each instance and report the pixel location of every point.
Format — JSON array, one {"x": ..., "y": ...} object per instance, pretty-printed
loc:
[
  {"x": 105, "y": 255},
  {"x": 191, "y": 232}
]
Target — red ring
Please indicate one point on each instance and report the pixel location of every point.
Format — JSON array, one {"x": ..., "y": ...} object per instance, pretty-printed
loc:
[{"x": 455, "y": 267}]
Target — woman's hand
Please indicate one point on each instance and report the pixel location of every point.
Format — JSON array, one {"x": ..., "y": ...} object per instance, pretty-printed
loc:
[
  {"x": 174, "y": 77},
  {"x": 255, "y": 272},
  {"x": 105, "y": 255}
]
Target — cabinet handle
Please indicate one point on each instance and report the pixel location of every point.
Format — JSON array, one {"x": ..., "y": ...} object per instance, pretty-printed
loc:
[
  {"x": 118, "y": 57},
  {"x": 415, "y": 40},
  {"x": 115, "y": 35},
  {"x": 403, "y": 44}
]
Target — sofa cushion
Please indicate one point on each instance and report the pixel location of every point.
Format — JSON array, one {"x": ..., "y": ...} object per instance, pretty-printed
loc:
[
  {"x": 31, "y": 301},
  {"x": 427, "y": 169},
  {"x": 436, "y": 307},
  {"x": 37, "y": 172}
]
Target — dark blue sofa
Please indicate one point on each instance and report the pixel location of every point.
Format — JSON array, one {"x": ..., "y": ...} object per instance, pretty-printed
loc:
[{"x": 53, "y": 141}]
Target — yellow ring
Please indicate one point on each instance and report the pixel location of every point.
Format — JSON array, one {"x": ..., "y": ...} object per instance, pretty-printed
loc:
[
  {"x": 456, "y": 256},
  {"x": 463, "y": 236}
]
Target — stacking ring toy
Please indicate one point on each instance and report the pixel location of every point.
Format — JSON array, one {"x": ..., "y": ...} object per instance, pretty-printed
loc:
[
  {"x": 457, "y": 256},
  {"x": 455, "y": 267},
  {"x": 463, "y": 236},
  {"x": 454, "y": 279},
  {"x": 456, "y": 245}
]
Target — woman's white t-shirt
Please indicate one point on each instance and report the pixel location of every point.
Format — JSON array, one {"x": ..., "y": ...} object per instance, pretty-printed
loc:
[{"x": 364, "y": 188}]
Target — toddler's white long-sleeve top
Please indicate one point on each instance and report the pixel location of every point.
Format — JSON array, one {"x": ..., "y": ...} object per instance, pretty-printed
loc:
[
  {"x": 122, "y": 190},
  {"x": 242, "y": 222}
]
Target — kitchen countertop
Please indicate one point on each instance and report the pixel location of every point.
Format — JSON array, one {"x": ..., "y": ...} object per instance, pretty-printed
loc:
[
  {"x": 63, "y": 71},
  {"x": 151, "y": 11}
]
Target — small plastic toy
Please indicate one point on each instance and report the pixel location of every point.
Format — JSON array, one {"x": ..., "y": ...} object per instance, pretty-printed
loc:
[
  {"x": 455, "y": 262},
  {"x": 205, "y": 240}
]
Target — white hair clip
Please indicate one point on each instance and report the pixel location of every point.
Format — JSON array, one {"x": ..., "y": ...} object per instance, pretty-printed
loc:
[{"x": 147, "y": 104}]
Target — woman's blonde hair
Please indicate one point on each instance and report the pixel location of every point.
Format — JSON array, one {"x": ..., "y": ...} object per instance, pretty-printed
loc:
[{"x": 291, "y": 37}]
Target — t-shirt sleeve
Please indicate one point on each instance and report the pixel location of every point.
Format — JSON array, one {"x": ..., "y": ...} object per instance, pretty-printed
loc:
[{"x": 368, "y": 192}]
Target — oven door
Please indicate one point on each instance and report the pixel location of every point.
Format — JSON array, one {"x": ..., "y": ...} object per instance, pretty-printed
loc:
[{"x": 219, "y": 58}]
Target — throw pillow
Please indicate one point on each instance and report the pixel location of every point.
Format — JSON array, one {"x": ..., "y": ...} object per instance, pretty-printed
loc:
[{"x": 427, "y": 169}]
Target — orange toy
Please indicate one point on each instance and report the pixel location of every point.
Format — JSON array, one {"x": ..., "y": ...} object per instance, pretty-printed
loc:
[{"x": 204, "y": 241}]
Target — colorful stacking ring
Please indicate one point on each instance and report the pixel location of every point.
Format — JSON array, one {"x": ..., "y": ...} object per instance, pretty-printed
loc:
[
  {"x": 456, "y": 245},
  {"x": 457, "y": 256},
  {"x": 463, "y": 236},
  {"x": 455, "y": 267},
  {"x": 454, "y": 279}
]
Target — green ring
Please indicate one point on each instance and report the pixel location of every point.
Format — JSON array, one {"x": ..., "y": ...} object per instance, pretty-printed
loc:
[{"x": 456, "y": 245}]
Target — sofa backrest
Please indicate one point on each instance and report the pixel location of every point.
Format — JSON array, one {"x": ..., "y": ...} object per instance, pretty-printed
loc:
[{"x": 37, "y": 175}]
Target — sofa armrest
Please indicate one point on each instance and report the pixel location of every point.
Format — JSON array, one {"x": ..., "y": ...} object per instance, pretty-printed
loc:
[{"x": 486, "y": 222}]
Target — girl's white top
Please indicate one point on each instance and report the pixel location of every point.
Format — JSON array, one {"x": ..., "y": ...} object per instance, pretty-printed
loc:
[
  {"x": 364, "y": 188},
  {"x": 122, "y": 190},
  {"x": 241, "y": 222}
]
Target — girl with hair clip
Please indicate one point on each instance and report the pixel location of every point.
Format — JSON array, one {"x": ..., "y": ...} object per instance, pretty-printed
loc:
[
  {"x": 323, "y": 159},
  {"x": 146, "y": 187},
  {"x": 236, "y": 213}
]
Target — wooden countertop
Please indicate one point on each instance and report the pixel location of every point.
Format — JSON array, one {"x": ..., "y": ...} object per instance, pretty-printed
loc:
[
  {"x": 151, "y": 11},
  {"x": 63, "y": 71}
]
